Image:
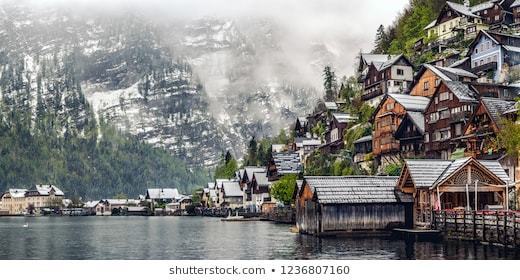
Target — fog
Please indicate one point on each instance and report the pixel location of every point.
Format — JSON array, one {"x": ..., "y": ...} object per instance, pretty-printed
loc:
[{"x": 346, "y": 26}]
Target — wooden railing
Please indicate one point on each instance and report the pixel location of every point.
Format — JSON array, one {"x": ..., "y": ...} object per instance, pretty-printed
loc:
[{"x": 497, "y": 227}]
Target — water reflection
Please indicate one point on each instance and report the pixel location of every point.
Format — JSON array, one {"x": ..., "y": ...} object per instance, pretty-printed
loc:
[{"x": 207, "y": 238}]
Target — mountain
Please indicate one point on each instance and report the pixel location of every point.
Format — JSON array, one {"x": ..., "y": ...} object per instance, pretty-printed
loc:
[{"x": 194, "y": 87}]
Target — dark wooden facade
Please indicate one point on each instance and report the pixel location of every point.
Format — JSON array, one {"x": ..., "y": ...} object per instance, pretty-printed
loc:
[
  {"x": 376, "y": 80},
  {"x": 410, "y": 135},
  {"x": 445, "y": 119}
]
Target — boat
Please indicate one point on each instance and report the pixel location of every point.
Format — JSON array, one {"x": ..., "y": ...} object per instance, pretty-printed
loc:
[{"x": 26, "y": 225}]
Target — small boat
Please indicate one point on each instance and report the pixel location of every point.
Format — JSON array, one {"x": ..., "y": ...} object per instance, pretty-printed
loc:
[{"x": 26, "y": 225}]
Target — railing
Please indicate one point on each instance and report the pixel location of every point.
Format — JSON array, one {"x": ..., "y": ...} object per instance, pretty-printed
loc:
[
  {"x": 485, "y": 67},
  {"x": 497, "y": 227}
]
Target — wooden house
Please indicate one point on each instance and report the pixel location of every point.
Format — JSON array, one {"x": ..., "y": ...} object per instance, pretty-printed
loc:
[
  {"x": 339, "y": 205},
  {"x": 258, "y": 192},
  {"x": 246, "y": 174},
  {"x": 334, "y": 133},
  {"x": 282, "y": 164},
  {"x": 505, "y": 92},
  {"x": 366, "y": 59},
  {"x": 429, "y": 77},
  {"x": 449, "y": 110},
  {"x": 455, "y": 22},
  {"x": 300, "y": 127},
  {"x": 387, "y": 118},
  {"x": 485, "y": 123},
  {"x": 464, "y": 183},
  {"x": 492, "y": 55},
  {"x": 392, "y": 76},
  {"x": 231, "y": 195},
  {"x": 362, "y": 148},
  {"x": 410, "y": 134}
]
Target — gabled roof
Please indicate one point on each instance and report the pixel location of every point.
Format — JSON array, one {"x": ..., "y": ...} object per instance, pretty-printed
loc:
[
  {"x": 353, "y": 189},
  {"x": 461, "y": 9},
  {"x": 364, "y": 139},
  {"x": 411, "y": 103},
  {"x": 287, "y": 163},
  {"x": 459, "y": 62},
  {"x": 515, "y": 4},
  {"x": 16, "y": 193},
  {"x": 463, "y": 91},
  {"x": 232, "y": 189},
  {"x": 446, "y": 73},
  {"x": 496, "y": 107},
  {"x": 368, "y": 58},
  {"x": 218, "y": 182},
  {"x": 514, "y": 107},
  {"x": 167, "y": 193},
  {"x": 249, "y": 170},
  {"x": 261, "y": 178},
  {"x": 46, "y": 190},
  {"x": 417, "y": 118},
  {"x": 430, "y": 173},
  {"x": 384, "y": 65},
  {"x": 344, "y": 118},
  {"x": 332, "y": 106}
]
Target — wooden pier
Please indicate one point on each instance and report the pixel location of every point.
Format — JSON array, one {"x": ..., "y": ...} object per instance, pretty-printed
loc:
[{"x": 491, "y": 227}]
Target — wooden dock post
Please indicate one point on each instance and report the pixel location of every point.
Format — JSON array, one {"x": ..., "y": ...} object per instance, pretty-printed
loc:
[
  {"x": 498, "y": 226},
  {"x": 474, "y": 225},
  {"x": 505, "y": 229},
  {"x": 464, "y": 216},
  {"x": 514, "y": 229},
  {"x": 483, "y": 227}
]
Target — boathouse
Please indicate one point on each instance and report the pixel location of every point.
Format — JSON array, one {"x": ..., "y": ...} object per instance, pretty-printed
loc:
[
  {"x": 330, "y": 205},
  {"x": 464, "y": 183}
]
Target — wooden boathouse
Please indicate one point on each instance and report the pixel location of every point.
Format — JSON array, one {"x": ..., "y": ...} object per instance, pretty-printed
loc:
[
  {"x": 329, "y": 205},
  {"x": 457, "y": 185}
]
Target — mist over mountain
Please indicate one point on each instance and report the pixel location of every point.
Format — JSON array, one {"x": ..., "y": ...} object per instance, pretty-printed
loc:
[{"x": 193, "y": 77}]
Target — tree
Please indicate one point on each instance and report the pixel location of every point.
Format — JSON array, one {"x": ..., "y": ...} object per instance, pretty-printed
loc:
[
  {"x": 227, "y": 167},
  {"x": 508, "y": 138},
  {"x": 252, "y": 158},
  {"x": 381, "y": 42},
  {"x": 393, "y": 169},
  {"x": 283, "y": 189},
  {"x": 329, "y": 84}
]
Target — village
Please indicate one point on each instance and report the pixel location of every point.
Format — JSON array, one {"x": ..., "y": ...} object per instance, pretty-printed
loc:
[{"x": 426, "y": 160}]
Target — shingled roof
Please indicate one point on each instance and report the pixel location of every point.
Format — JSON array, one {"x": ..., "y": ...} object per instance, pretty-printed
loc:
[
  {"x": 232, "y": 189},
  {"x": 496, "y": 108},
  {"x": 462, "y": 91},
  {"x": 287, "y": 163},
  {"x": 353, "y": 189},
  {"x": 430, "y": 172},
  {"x": 411, "y": 103}
]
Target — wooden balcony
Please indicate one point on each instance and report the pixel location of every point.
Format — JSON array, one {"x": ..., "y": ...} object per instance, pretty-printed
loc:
[
  {"x": 484, "y": 67},
  {"x": 373, "y": 94}
]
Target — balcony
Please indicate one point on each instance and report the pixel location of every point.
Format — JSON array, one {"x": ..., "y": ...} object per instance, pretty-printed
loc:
[
  {"x": 370, "y": 95},
  {"x": 460, "y": 117},
  {"x": 485, "y": 67}
]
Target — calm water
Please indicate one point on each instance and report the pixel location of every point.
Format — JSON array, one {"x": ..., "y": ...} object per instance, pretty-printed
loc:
[{"x": 205, "y": 238}]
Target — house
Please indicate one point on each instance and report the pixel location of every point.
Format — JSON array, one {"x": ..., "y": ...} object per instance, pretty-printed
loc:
[
  {"x": 282, "y": 164},
  {"x": 109, "y": 207},
  {"x": 258, "y": 192},
  {"x": 449, "y": 110},
  {"x": 387, "y": 118},
  {"x": 334, "y": 133},
  {"x": 338, "y": 205},
  {"x": 493, "y": 55},
  {"x": 14, "y": 202},
  {"x": 362, "y": 149},
  {"x": 392, "y": 76},
  {"x": 300, "y": 128},
  {"x": 44, "y": 197},
  {"x": 231, "y": 195},
  {"x": 162, "y": 195},
  {"x": 515, "y": 7},
  {"x": 485, "y": 124},
  {"x": 455, "y": 22},
  {"x": 464, "y": 183},
  {"x": 90, "y": 207},
  {"x": 429, "y": 77},
  {"x": 247, "y": 174},
  {"x": 410, "y": 134},
  {"x": 36, "y": 200},
  {"x": 366, "y": 59}
]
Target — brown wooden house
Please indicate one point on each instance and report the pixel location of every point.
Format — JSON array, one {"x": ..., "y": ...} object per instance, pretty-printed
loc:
[
  {"x": 429, "y": 77},
  {"x": 330, "y": 205},
  {"x": 410, "y": 135},
  {"x": 387, "y": 118},
  {"x": 448, "y": 112},
  {"x": 465, "y": 183},
  {"x": 392, "y": 76},
  {"x": 334, "y": 133},
  {"x": 484, "y": 126}
]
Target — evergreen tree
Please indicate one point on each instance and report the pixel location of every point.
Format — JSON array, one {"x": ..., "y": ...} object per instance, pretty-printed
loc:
[
  {"x": 381, "y": 41},
  {"x": 329, "y": 83}
]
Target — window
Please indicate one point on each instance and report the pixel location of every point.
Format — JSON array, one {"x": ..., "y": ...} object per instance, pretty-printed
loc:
[
  {"x": 444, "y": 96},
  {"x": 400, "y": 72},
  {"x": 434, "y": 117},
  {"x": 444, "y": 114},
  {"x": 458, "y": 129},
  {"x": 485, "y": 12},
  {"x": 426, "y": 85},
  {"x": 436, "y": 100},
  {"x": 426, "y": 137},
  {"x": 390, "y": 106},
  {"x": 497, "y": 17}
]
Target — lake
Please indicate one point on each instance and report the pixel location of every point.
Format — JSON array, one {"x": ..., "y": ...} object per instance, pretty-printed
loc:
[{"x": 206, "y": 238}]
